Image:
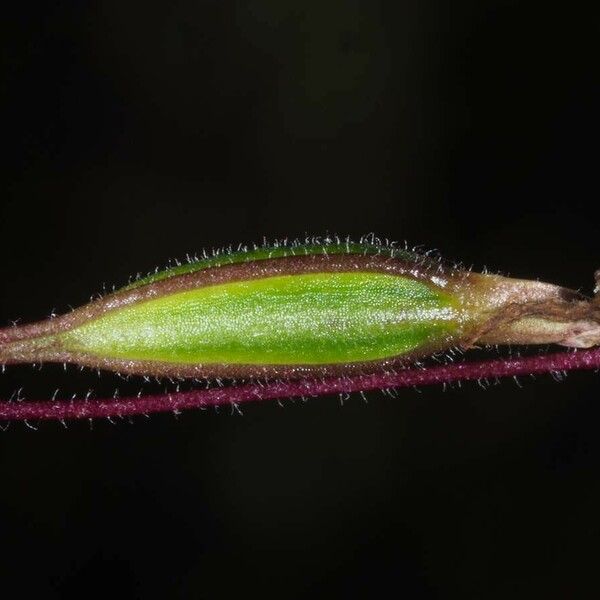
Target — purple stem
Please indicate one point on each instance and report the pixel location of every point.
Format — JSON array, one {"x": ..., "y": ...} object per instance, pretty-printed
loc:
[{"x": 497, "y": 367}]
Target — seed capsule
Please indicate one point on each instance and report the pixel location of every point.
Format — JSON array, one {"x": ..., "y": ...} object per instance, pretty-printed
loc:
[{"x": 302, "y": 310}]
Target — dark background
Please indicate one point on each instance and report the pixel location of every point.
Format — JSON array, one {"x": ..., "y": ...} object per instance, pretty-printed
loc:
[{"x": 134, "y": 133}]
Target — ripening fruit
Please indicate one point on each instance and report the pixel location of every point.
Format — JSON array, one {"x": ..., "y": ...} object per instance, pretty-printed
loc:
[{"x": 291, "y": 311}]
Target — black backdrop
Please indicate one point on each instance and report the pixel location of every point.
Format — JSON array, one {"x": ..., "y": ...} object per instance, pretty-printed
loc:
[{"x": 134, "y": 133}]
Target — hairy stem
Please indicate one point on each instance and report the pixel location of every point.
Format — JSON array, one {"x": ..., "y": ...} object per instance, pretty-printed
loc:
[{"x": 497, "y": 367}]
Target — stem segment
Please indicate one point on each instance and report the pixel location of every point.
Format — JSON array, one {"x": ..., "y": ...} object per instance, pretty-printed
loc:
[{"x": 498, "y": 367}]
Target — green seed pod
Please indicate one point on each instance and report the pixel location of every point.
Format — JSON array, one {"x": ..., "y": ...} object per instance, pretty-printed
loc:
[{"x": 291, "y": 311}]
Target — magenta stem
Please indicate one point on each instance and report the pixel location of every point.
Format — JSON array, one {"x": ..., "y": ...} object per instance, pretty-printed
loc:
[{"x": 177, "y": 401}]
